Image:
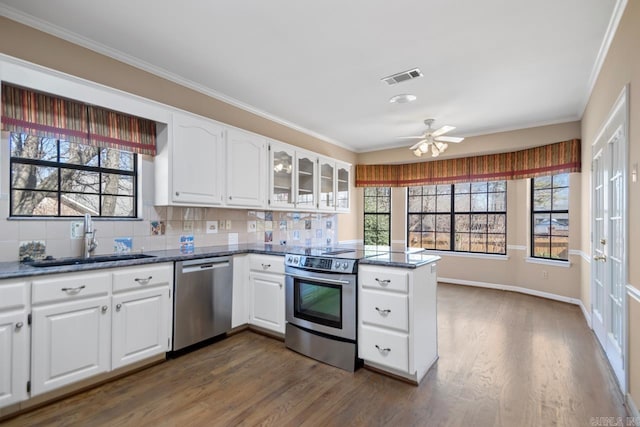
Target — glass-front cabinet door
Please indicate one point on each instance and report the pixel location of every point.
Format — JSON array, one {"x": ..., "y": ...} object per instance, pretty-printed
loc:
[
  {"x": 282, "y": 176},
  {"x": 327, "y": 188},
  {"x": 306, "y": 180},
  {"x": 343, "y": 171}
]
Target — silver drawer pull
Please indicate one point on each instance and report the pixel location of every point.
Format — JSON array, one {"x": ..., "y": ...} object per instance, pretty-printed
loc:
[
  {"x": 266, "y": 266},
  {"x": 383, "y": 350},
  {"x": 118, "y": 307},
  {"x": 384, "y": 282},
  {"x": 104, "y": 308},
  {"x": 383, "y": 312},
  {"x": 19, "y": 325},
  {"x": 73, "y": 290},
  {"x": 143, "y": 281}
]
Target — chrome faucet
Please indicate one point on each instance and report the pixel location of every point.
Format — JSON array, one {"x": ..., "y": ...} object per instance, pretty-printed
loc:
[{"x": 90, "y": 242}]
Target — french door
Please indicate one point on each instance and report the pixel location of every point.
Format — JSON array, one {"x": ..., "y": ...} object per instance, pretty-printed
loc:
[{"x": 609, "y": 244}]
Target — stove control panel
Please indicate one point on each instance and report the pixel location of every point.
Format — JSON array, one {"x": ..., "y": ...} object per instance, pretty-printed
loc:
[{"x": 319, "y": 263}]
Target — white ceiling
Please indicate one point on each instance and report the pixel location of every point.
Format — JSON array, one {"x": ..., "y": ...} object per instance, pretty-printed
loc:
[{"x": 488, "y": 65}]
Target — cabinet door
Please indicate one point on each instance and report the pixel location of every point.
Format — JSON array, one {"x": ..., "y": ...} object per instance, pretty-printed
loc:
[
  {"x": 246, "y": 175},
  {"x": 197, "y": 153},
  {"x": 14, "y": 358},
  {"x": 343, "y": 173},
  {"x": 139, "y": 325},
  {"x": 306, "y": 170},
  {"x": 326, "y": 184},
  {"x": 281, "y": 166},
  {"x": 70, "y": 341},
  {"x": 267, "y": 301}
]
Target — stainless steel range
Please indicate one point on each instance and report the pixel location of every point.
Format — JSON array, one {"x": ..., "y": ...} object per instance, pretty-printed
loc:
[{"x": 321, "y": 304}]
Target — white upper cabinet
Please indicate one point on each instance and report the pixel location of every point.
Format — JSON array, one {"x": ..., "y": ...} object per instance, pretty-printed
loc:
[
  {"x": 281, "y": 171},
  {"x": 306, "y": 181},
  {"x": 326, "y": 184},
  {"x": 188, "y": 164},
  {"x": 246, "y": 176},
  {"x": 343, "y": 176}
]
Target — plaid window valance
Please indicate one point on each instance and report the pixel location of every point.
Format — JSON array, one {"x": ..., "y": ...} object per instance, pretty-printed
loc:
[
  {"x": 34, "y": 113},
  {"x": 538, "y": 161}
]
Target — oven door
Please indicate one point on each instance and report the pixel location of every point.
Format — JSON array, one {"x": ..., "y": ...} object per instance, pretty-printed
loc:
[{"x": 321, "y": 302}]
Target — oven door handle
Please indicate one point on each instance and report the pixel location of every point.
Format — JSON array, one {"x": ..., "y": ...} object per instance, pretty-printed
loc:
[{"x": 321, "y": 280}]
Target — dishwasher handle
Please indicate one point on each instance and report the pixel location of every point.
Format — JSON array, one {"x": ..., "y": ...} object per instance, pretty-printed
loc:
[{"x": 205, "y": 266}]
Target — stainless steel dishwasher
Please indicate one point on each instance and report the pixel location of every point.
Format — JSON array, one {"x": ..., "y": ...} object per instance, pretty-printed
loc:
[{"x": 202, "y": 300}]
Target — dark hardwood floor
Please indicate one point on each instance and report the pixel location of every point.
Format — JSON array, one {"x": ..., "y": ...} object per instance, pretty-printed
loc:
[{"x": 505, "y": 359}]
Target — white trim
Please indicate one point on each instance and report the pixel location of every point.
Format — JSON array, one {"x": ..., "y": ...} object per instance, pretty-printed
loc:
[
  {"x": 633, "y": 292},
  {"x": 516, "y": 248},
  {"x": 468, "y": 255},
  {"x": 581, "y": 254},
  {"x": 550, "y": 262},
  {"x": 79, "y": 40},
  {"x": 633, "y": 408},
  {"x": 616, "y": 16},
  {"x": 398, "y": 242},
  {"x": 511, "y": 288},
  {"x": 585, "y": 313}
]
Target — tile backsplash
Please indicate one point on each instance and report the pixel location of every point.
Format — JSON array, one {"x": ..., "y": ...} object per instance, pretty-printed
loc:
[{"x": 162, "y": 228}]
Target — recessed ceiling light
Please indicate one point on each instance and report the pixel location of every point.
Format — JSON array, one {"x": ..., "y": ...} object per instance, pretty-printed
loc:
[{"x": 402, "y": 99}]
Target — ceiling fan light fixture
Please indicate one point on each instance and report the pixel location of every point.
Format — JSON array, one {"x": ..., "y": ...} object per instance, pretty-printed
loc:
[
  {"x": 417, "y": 152},
  {"x": 424, "y": 147},
  {"x": 434, "y": 151},
  {"x": 403, "y": 98}
]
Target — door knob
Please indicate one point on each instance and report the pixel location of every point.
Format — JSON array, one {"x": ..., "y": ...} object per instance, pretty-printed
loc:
[
  {"x": 602, "y": 258},
  {"x": 603, "y": 241}
]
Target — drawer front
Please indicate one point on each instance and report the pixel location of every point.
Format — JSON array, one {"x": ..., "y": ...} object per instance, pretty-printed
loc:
[
  {"x": 384, "y": 278},
  {"x": 386, "y": 348},
  {"x": 385, "y": 309},
  {"x": 13, "y": 295},
  {"x": 266, "y": 263},
  {"x": 69, "y": 287},
  {"x": 142, "y": 277}
]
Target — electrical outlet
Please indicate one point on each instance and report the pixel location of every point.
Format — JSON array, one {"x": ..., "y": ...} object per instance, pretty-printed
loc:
[
  {"x": 545, "y": 274},
  {"x": 77, "y": 230},
  {"x": 228, "y": 225}
]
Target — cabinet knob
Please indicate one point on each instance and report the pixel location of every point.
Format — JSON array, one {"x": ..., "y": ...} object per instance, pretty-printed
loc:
[
  {"x": 118, "y": 307},
  {"x": 177, "y": 193},
  {"x": 280, "y": 285},
  {"x": 19, "y": 325},
  {"x": 266, "y": 266},
  {"x": 104, "y": 308},
  {"x": 230, "y": 197}
]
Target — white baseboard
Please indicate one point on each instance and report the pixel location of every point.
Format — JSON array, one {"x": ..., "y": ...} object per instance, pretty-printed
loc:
[
  {"x": 521, "y": 290},
  {"x": 632, "y": 407}
]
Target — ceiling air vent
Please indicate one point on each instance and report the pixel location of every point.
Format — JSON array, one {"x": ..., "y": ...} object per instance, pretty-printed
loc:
[{"x": 403, "y": 76}]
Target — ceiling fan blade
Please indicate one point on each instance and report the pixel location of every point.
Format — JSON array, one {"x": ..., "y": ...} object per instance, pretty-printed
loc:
[
  {"x": 411, "y": 137},
  {"x": 454, "y": 139},
  {"x": 443, "y": 130},
  {"x": 417, "y": 144}
]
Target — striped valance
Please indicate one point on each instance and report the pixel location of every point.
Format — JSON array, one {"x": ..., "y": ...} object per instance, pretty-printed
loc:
[
  {"x": 544, "y": 160},
  {"x": 34, "y": 113}
]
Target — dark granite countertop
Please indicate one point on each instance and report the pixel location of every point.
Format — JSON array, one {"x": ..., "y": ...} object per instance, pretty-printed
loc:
[{"x": 391, "y": 256}]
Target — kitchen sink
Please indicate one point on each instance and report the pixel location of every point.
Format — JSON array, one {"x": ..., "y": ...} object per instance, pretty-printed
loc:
[{"x": 78, "y": 261}]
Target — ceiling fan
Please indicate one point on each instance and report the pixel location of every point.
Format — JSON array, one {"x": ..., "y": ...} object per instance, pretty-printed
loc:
[{"x": 433, "y": 138}]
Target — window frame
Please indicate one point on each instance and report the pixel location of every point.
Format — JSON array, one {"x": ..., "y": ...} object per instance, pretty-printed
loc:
[
  {"x": 58, "y": 165},
  {"x": 452, "y": 213},
  {"x": 550, "y": 212},
  {"x": 377, "y": 214}
]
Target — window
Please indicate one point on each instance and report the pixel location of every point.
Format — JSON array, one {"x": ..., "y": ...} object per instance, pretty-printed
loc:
[
  {"x": 468, "y": 217},
  {"x": 550, "y": 217},
  {"x": 377, "y": 216},
  {"x": 51, "y": 177}
]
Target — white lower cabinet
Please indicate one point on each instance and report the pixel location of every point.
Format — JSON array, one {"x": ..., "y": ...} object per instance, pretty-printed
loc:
[
  {"x": 70, "y": 342},
  {"x": 139, "y": 326},
  {"x": 266, "y": 292},
  {"x": 397, "y": 329},
  {"x": 14, "y": 342},
  {"x": 84, "y": 324},
  {"x": 142, "y": 311}
]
